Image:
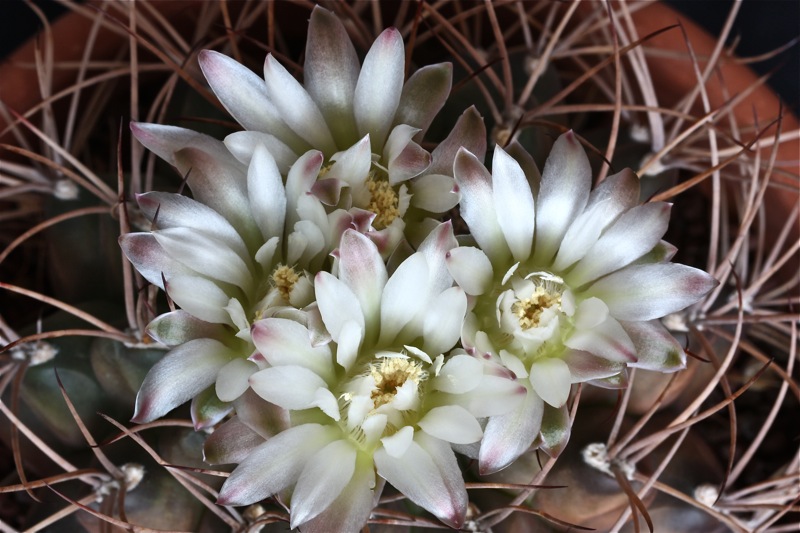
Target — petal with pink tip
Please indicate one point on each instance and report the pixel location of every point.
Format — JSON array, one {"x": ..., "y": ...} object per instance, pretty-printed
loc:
[
  {"x": 477, "y": 205},
  {"x": 508, "y": 436},
  {"x": 242, "y": 144},
  {"x": 150, "y": 259},
  {"x": 245, "y": 96},
  {"x": 469, "y": 132},
  {"x": 331, "y": 73},
  {"x": 631, "y": 236},
  {"x": 275, "y": 465},
  {"x": 379, "y": 86},
  {"x": 324, "y": 477},
  {"x": 584, "y": 366},
  {"x": 296, "y": 107},
  {"x": 267, "y": 194},
  {"x": 165, "y": 141},
  {"x": 645, "y": 292},
  {"x": 563, "y": 193},
  {"x": 285, "y": 342},
  {"x": 428, "y": 474},
  {"x": 513, "y": 203},
  {"x": 183, "y": 373},
  {"x": 362, "y": 269}
]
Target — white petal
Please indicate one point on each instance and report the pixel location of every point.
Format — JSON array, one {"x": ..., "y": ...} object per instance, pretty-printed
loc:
[
  {"x": 443, "y": 320},
  {"x": 379, "y": 86},
  {"x": 331, "y": 72},
  {"x": 150, "y": 259},
  {"x": 296, "y": 107},
  {"x": 326, "y": 401},
  {"x": 584, "y": 366},
  {"x": 362, "y": 269},
  {"x": 471, "y": 269},
  {"x": 432, "y": 481},
  {"x": 656, "y": 349},
  {"x": 184, "y": 372},
  {"x": 244, "y": 95},
  {"x": 397, "y": 444},
  {"x": 494, "y": 395},
  {"x": 322, "y": 480},
  {"x": 285, "y": 342},
  {"x": 242, "y": 144},
  {"x": 451, "y": 423},
  {"x": 435, "y": 247},
  {"x": 477, "y": 205},
  {"x": 350, "y": 337},
  {"x": 290, "y": 387},
  {"x": 337, "y": 304},
  {"x": 508, "y": 436},
  {"x": 275, "y": 465},
  {"x": 434, "y": 193},
  {"x": 514, "y": 364},
  {"x": 267, "y": 194},
  {"x": 607, "y": 340},
  {"x": 590, "y": 313},
  {"x": 551, "y": 380},
  {"x": 632, "y": 235},
  {"x": 232, "y": 379},
  {"x": 645, "y": 292},
  {"x": 199, "y": 297},
  {"x": 165, "y": 141},
  {"x": 403, "y": 296},
  {"x": 513, "y": 203},
  {"x": 563, "y": 194},
  {"x": 461, "y": 373}
]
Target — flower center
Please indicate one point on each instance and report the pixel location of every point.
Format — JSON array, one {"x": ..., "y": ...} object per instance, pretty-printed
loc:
[
  {"x": 383, "y": 201},
  {"x": 284, "y": 278},
  {"x": 529, "y": 310},
  {"x": 390, "y": 374}
]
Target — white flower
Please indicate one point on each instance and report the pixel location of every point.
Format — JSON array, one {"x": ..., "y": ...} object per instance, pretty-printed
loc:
[
  {"x": 567, "y": 285},
  {"x": 240, "y": 250},
  {"x": 385, "y": 396},
  {"x": 364, "y": 119}
]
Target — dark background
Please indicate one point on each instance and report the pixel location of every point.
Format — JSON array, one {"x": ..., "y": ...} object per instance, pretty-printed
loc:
[{"x": 761, "y": 25}]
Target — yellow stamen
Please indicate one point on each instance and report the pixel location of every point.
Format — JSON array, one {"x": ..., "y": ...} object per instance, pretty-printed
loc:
[
  {"x": 284, "y": 277},
  {"x": 390, "y": 374},
  {"x": 383, "y": 202},
  {"x": 529, "y": 310}
]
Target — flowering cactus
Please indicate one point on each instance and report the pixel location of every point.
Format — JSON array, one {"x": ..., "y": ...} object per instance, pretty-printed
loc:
[{"x": 369, "y": 361}]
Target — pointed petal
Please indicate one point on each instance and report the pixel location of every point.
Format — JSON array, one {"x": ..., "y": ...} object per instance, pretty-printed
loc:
[
  {"x": 296, "y": 107},
  {"x": 410, "y": 162},
  {"x": 351, "y": 510},
  {"x": 232, "y": 442},
  {"x": 528, "y": 165},
  {"x": 469, "y": 132},
  {"x": 508, "y": 436},
  {"x": 631, "y": 236},
  {"x": 607, "y": 340},
  {"x": 322, "y": 480},
  {"x": 434, "y": 193},
  {"x": 584, "y": 366},
  {"x": 443, "y": 321},
  {"x": 451, "y": 423},
  {"x": 245, "y": 96},
  {"x": 645, "y": 292},
  {"x": 232, "y": 379},
  {"x": 362, "y": 269},
  {"x": 477, "y": 205},
  {"x": 285, "y": 342},
  {"x": 267, "y": 194},
  {"x": 397, "y": 444},
  {"x": 242, "y": 144},
  {"x": 656, "y": 348},
  {"x": 264, "y": 418},
  {"x": 435, "y": 248},
  {"x": 379, "y": 86},
  {"x": 177, "y": 327},
  {"x": 339, "y": 305},
  {"x": 183, "y": 373},
  {"x": 428, "y": 475},
  {"x": 290, "y": 387},
  {"x": 150, "y": 259},
  {"x": 165, "y": 141},
  {"x": 551, "y": 380},
  {"x": 331, "y": 72},
  {"x": 423, "y": 96},
  {"x": 200, "y": 297},
  {"x": 404, "y": 295},
  {"x": 275, "y": 465},
  {"x": 352, "y": 165},
  {"x": 555, "y": 430},
  {"x": 471, "y": 269},
  {"x": 563, "y": 194},
  {"x": 513, "y": 203}
]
